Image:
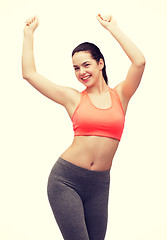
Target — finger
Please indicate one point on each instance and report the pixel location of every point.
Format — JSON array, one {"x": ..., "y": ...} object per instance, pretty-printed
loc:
[
  {"x": 36, "y": 19},
  {"x": 99, "y": 18},
  {"x": 28, "y": 19},
  {"x": 109, "y": 19},
  {"x": 31, "y": 19},
  {"x": 106, "y": 18}
]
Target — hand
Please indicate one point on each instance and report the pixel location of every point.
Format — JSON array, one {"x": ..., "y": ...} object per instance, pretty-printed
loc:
[
  {"x": 32, "y": 23},
  {"x": 107, "y": 21}
]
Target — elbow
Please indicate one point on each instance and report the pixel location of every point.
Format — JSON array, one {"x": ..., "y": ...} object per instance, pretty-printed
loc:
[
  {"x": 26, "y": 75},
  {"x": 140, "y": 63},
  {"x": 143, "y": 62}
]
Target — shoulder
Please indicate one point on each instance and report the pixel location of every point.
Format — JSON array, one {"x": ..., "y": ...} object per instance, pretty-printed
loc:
[
  {"x": 73, "y": 98},
  {"x": 124, "y": 101},
  {"x": 72, "y": 95}
]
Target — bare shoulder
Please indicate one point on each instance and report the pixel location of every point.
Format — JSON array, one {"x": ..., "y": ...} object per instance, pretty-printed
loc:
[
  {"x": 71, "y": 99},
  {"x": 123, "y": 99},
  {"x": 71, "y": 96}
]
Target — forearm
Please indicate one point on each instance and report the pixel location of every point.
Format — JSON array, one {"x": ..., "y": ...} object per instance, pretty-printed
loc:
[
  {"x": 28, "y": 62},
  {"x": 132, "y": 51}
]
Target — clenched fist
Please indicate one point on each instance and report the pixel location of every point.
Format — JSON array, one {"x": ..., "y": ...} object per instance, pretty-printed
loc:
[
  {"x": 31, "y": 23},
  {"x": 106, "y": 21}
]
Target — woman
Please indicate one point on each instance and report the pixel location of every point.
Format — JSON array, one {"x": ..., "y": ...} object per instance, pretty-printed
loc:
[{"x": 78, "y": 185}]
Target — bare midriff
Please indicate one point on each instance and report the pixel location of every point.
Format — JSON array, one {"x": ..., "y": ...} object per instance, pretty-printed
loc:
[{"x": 91, "y": 152}]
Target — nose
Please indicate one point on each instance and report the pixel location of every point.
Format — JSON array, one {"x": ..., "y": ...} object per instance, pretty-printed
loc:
[{"x": 82, "y": 71}]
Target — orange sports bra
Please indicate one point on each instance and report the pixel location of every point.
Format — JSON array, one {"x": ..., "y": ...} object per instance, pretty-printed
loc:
[{"x": 88, "y": 120}]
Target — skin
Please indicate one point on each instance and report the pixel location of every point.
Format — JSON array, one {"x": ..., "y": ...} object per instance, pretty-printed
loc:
[{"x": 90, "y": 152}]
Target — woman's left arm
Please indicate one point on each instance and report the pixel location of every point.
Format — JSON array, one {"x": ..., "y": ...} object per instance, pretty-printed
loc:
[{"x": 127, "y": 87}]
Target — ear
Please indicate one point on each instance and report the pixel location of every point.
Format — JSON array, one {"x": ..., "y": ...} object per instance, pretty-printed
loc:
[{"x": 101, "y": 63}]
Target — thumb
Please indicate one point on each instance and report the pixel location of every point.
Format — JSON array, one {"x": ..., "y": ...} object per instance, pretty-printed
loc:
[{"x": 35, "y": 21}]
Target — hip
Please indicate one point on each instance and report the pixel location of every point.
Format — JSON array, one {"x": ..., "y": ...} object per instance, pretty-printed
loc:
[{"x": 84, "y": 181}]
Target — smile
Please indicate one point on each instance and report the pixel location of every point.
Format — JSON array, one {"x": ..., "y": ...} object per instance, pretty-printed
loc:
[{"x": 85, "y": 78}]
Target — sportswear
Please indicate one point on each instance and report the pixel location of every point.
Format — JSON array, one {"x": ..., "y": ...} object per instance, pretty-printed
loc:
[
  {"x": 79, "y": 200},
  {"x": 89, "y": 120}
]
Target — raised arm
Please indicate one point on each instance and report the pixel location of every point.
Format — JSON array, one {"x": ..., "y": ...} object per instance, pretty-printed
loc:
[
  {"x": 127, "y": 87},
  {"x": 60, "y": 94}
]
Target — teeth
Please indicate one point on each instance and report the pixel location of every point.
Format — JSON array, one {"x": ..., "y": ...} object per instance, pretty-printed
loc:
[{"x": 86, "y": 77}]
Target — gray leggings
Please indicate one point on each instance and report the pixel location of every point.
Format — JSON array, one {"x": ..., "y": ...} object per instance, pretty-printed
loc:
[{"x": 79, "y": 200}]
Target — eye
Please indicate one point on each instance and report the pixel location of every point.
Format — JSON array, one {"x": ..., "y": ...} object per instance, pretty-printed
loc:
[
  {"x": 76, "y": 68},
  {"x": 87, "y": 65}
]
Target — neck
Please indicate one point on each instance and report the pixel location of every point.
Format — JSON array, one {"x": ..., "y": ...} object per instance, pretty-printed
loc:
[{"x": 98, "y": 88}]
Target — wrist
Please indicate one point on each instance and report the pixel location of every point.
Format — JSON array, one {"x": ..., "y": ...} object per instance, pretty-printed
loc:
[
  {"x": 113, "y": 29},
  {"x": 28, "y": 31}
]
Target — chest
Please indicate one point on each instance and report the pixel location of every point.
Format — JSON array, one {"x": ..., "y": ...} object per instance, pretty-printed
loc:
[
  {"x": 103, "y": 101},
  {"x": 91, "y": 118},
  {"x": 93, "y": 112}
]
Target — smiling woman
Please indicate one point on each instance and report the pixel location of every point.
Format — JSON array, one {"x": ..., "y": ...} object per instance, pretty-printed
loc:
[
  {"x": 78, "y": 185},
  {"x": 94, "y": 53},
  {"x": 82, "y": 70},
  {"x": 87, "y": 70}
]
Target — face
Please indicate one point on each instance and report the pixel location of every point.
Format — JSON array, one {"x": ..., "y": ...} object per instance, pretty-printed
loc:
[{"x": 87, "y": 70}]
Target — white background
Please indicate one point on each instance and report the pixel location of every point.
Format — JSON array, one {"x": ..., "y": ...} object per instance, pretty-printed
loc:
[{"x": 35, "y": 131}]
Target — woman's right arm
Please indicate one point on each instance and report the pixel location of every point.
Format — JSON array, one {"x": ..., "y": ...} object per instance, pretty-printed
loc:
[{"x": 63, "y": 95}]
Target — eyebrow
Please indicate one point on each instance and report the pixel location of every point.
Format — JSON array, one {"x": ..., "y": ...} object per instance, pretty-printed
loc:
[{"x": 82, "y": 64}]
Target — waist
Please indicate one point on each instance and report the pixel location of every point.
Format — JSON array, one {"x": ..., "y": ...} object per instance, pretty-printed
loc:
[
  {"x": 105, "y": 175},
  {"x": 91, "y": 152}
]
